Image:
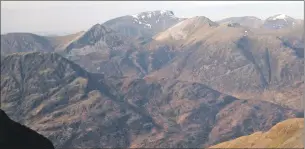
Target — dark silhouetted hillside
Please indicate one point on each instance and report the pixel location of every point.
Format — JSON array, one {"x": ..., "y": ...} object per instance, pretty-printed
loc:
[{"x": 14, "y": 135}]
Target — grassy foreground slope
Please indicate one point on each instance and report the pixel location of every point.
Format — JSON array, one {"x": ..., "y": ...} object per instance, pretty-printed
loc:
[{"x": 286, "y": 134}]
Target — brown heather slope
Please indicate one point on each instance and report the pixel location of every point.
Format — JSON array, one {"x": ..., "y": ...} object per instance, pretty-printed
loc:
[
  {"x": 286, "y": 134},
  {"x": 74, "y": 108},
  {"x": 244, "y": 62},
  {"x": 194, "y": 115},
  {"x": 183, "y": 29},
  {"x": 70, "y": 106}
]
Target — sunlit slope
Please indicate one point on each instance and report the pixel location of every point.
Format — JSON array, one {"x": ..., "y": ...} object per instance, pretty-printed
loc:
[{"x": 286, "y": 134}]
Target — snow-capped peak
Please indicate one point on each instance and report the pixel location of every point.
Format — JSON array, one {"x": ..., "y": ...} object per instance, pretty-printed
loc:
[
  {"x": 148, "y": 17},
  {"x": 135, "y": 16},
  {"x": 149, "y": 14},
  {"x": 279, "y": 21},
  {"x": 280, "y": 16},
  {"x": 167, "y": 12}
]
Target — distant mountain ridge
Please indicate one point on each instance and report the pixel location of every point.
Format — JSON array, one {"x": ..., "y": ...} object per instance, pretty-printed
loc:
[
  {"x": 27, "y": 42},
  {"x": 142, "y": 26},
  {"x": 278, "y": 21}
]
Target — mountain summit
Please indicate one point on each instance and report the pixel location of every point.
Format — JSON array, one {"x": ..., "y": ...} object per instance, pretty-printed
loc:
[
  {"x": 247, "y": 21},
  {"x": 150, "y": 14},
  {"x": 279, "y": 21},
  {"x": 186, "y": 27},
  {"x": 144, "y": 24},
  {"x": 278, "y": 17}
]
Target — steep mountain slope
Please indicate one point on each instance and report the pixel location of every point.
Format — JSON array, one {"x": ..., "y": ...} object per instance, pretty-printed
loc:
[
  {"x": 74, "y": 108},
  {"x": 286, "y": 134},
  {"x": 103, "y": 38},
  {"x": 239, "y": 61},
  {"x": 183, "y": 29},
  {"x": 104, "y": 50},
  {"x": 24, "y": 42},
  {"x": 68, "y": 105},
  {"x": 60, "y": 43},
  {"x": 194, "y": 115},
  {"x": 144, "y": 24},
  {"x": 247, "y": 21},
  {"x": 266, "y": 64},
  {"x": 14, "y": 135}
]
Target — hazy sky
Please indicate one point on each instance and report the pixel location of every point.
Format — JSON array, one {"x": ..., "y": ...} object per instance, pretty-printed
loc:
[{"x": 73, "y": 16}]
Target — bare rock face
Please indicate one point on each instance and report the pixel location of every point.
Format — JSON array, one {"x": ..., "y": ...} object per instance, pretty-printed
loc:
[{"x": 14, "y": 135}]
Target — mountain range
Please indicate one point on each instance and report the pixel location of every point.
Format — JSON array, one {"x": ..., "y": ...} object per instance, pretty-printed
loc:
[{"x": 156, "y": 80}]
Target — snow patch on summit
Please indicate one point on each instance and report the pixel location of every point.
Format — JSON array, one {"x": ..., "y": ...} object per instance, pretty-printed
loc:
[
  {"x": 135, "y": 16},
  {"x": 280, "y": 16},
  {"x": 144, "y": 17},
  {"x": 149, "y": 14},
  {"x": 148, "y": 25}
]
